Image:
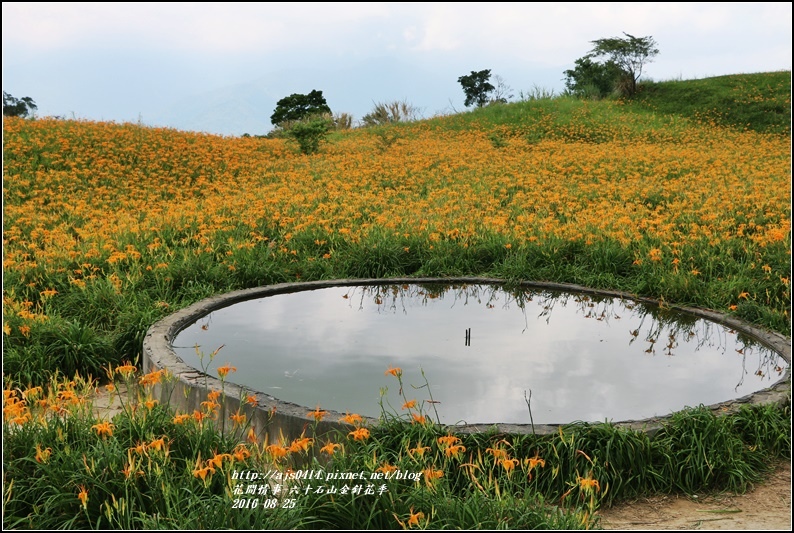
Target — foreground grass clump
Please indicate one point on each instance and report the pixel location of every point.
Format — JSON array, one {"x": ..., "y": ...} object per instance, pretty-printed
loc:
[{"x": 149, "y": 467}]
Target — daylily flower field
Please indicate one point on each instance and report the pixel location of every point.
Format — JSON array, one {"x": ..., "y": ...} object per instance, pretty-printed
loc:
[{"x": 108, "y": 227}]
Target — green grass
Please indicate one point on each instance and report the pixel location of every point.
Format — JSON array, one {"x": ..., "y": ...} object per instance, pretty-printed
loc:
[
  {"x": 91, "y": 328},
  {"x": 759, "y": 102},
  {"x": 492, "y": 481}
]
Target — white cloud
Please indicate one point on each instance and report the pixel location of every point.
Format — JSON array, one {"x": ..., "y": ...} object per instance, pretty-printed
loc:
[
  {"x": 198, "y": 27},
  {"x": 551, "y": 34},
  {"x": 177, "y": 48}
]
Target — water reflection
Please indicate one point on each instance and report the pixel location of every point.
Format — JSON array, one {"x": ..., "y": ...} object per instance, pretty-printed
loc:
[{"x": 482, "y": 347}]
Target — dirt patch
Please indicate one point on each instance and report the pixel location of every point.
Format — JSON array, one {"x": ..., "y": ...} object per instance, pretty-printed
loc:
[
  {"x": 108, "y": 404},
  {"x": 766, "y": 507}
]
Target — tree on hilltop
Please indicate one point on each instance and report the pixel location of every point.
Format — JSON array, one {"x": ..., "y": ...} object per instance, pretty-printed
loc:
[
  {"x": 591, "y": 79},
  {"x": 625, "y": 59},
  {"x": 630, "y": 55},
  {"x": 476, "y": 87},
  {"x": 297, "y": 106},
  {"x": 13, "y": 107}
]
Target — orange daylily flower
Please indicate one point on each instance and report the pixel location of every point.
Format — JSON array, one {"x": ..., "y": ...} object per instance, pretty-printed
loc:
[
  {"x": 203, "y": 472},
  {"x": 301, "y": 444},
  {"x": 210, "y": 406},
  {"x": 151, "y": 378},
  {"x": 454, "y": 451},
  {"x": 180, "y": 419},
  {"x": 241, "y": 453},
  {"x": 535, "y": 462},
  {"x": 217, "y": 460},
  {"x": 223, "y": 371},
  {"x": 410, "y": 404},
  {"x": 317, "y": 414},
  {"x": 352, "y": 419},
  {"x": 419, "y": 450},
  {"x": 103, "y": 429},
  {"x": 508, "y": 464},
  {"x": 431, "y": 475},
  {"x": 498, "y": 453},
  {"x": 360, "y": 434},
  {"x": 330, "y": 448},
  {"x": 276, "y": 451},
  {"x": 83, "y": 496},
  {"x": 386, "y": 468},
  {"x": 157, "y": 444},
  {"x": 126, "y": 370},
  {"x": 139, "y": 448},
  {"x": 238, "y": 418},
  {"x": 42, "y": 456},
  {"x": 588, "y": 484},
  {"x": 413, "y": 519},
  {"x": 449, "y": 440}
]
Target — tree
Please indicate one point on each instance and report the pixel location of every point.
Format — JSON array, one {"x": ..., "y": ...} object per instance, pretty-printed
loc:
[
  {"x": 592, "y": 79},
  {"x": 476, "y": 87},
  {"x": 296, "y": 107},
  {"x": 13, "y": 107},
  {"x": 630, "y": 55}
]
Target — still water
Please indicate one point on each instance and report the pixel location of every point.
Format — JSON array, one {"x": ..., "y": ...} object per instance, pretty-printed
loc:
[{"x": 484, "y": 351}]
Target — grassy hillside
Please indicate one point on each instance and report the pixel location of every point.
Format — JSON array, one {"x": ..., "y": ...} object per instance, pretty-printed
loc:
[
  {"x": 109, "y": 227},
  {"x": 759, "y": 102}
]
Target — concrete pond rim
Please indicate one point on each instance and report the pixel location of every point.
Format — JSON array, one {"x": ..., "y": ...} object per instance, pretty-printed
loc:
[{"x": 275, "y": 419}]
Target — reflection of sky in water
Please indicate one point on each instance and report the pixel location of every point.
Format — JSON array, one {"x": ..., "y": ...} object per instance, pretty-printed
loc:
[{"x": 582, "y": 359}]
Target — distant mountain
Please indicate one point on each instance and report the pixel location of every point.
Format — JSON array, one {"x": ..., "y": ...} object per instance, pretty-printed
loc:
[
  {"x": 232, "y": 110},
  {"x": 246, "y": 107}
]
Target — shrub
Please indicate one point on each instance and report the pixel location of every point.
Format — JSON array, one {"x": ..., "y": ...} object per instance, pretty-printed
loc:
[
  {"x": 310, "y": 133},
  {"x": 342, "y": 121},
  {"x": 390, "y": 112}
]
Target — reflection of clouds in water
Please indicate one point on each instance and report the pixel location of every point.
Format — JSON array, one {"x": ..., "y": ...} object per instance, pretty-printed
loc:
[
  {"x": 576, "y": 356},
  {"x": 582, "y": 361},
  {"x": 485, "y": 402}
]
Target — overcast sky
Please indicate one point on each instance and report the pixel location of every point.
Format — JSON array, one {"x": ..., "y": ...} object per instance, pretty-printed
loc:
[{"x": 221, "y": 67}]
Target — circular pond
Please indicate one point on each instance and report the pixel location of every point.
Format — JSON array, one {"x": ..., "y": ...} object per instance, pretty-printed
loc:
[{"x": 483, "y": 352}]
